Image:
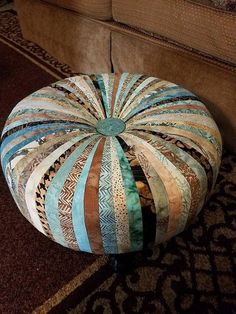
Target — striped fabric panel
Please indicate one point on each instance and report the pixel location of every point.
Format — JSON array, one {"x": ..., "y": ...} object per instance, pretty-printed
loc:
[
  {"x": 106, "y": 203},
  {"x": 108, "y": 163}
]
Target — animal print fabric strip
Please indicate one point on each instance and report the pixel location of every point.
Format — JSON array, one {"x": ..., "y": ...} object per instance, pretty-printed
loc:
[{"x": 110, "y": 163}]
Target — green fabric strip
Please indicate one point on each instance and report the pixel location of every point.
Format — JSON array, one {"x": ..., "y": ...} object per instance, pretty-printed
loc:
[
  {"x": 104, "y": 95},
  {"x": 132, "y": 201}
]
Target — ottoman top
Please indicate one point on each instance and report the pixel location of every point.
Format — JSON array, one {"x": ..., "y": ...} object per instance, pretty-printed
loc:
[{"x": 89, "y": 157}]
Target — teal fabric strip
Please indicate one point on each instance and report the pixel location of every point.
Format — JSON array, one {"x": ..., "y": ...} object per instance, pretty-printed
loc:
[
  {"x": 106, "y": 207},
  {"x": 78, "y": 217},
  {"x": 132, "y": 201},
  {"x": 54, "y": 191},
  {"x": 176, "y": 111},
  {"x": 106, "y": 103}
]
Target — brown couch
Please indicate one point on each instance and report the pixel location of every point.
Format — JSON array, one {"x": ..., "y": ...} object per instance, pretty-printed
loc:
[{"x": 191, "y": 43}]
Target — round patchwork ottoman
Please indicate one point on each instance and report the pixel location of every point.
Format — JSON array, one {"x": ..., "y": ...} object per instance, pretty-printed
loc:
[{"x": 110, "y": 163}]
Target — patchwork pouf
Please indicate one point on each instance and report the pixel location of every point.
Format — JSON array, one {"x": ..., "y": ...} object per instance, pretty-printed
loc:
[{"x": 110, "y": 163}]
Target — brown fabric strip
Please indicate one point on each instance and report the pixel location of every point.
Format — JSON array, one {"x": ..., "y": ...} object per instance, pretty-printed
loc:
[{"x": 91, "y": 202}]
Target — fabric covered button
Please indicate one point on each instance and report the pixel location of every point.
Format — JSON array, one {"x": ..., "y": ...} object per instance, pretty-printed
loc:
[{"x": 110, "y": 126}]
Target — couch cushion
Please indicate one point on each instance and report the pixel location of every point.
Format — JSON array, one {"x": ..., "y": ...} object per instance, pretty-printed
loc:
[
  {"x": 198, "y": 26},
  {"x": 213, "y": 83},
  {"x": 100, "y": 9},
  {"x": 62, "y": 34}
]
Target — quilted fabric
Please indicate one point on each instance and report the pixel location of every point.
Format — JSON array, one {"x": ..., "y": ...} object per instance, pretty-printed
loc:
[
  {"x": 184, "y": 23},
  {"x": 109, "y": 163}
]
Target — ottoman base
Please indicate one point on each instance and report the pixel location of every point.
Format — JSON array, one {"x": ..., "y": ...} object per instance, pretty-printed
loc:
[{"x": 122, "y": 263}]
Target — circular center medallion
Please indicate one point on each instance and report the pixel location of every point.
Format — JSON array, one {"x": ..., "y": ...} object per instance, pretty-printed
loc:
[{"x": 110, "y": 126}]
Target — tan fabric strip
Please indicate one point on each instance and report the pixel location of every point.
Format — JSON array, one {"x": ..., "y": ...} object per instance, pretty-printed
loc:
[{"x": 115, "y": 87}]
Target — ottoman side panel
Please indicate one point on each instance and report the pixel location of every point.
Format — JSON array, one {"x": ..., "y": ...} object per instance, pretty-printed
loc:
[
  {"x": 215, "y": 85},
  {"x": 75, "y": 40}
]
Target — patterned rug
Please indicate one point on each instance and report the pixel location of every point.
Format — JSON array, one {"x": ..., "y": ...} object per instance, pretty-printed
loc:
[{"x": 193, "y": 273}]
